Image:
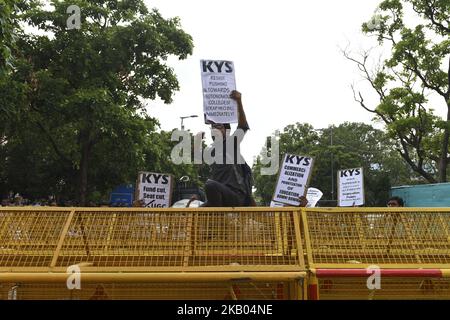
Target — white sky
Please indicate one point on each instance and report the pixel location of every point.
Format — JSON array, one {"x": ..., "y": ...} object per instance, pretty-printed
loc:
[{"x": 287, "y": 56}]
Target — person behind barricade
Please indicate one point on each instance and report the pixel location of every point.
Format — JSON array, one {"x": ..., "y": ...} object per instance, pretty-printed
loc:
[
  {"x": 395, "y": 202},
  {"x": 230, "y": 184},
  {"x": 18, "y": 201}
]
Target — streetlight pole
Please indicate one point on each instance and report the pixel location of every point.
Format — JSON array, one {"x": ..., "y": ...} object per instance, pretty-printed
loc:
[
  {"x": 332, "y": 163},
  {"x": 331, "y": 158},
  {"x": 182, "y": 118}
]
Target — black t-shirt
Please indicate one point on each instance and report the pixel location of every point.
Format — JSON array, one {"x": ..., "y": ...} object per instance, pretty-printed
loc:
[{"x": 230, "y": 172}]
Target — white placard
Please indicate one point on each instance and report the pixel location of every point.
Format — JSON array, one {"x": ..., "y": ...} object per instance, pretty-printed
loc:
[
  {"x": 183, "y": 203},
  {"x": 218, "y": 81},
  {"x": 293, "y": 179},
  {"x": 155, "y": 189},
  {"x": 313, "y": 196},
  {"x": 350, "y": 187}
]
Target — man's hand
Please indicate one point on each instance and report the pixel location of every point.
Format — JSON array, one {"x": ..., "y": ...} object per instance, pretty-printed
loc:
[
  {"x": 193, "y": 198},
  {"x": 303, "y": 201},
  {"x": 242, "y": 119},
  {"x": 235, "y": 95}
]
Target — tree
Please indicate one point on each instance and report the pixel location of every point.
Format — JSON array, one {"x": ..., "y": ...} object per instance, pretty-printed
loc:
[
  {"x": 82, "y": 90},
  {"x": 6, "y": 33},
  {"x": 417, "y": 69},
  {"x": 10, "y": 10},
  {"x": 352, "y": 145},
  {"x": 158, "y": 150}
]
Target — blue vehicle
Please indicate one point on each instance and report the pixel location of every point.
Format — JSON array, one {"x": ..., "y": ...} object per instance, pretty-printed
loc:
[{"x": 122, "y": 196}]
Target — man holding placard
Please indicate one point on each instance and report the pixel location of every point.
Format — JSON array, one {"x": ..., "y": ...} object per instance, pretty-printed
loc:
[
  {"x": 230, "y": 182},
  {"x": 350, "y": 187}
]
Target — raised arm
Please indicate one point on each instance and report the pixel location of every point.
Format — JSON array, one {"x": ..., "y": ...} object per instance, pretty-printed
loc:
[{"x": 242, "y": 119}]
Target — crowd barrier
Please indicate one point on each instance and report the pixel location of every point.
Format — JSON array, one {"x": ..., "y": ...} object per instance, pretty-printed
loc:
[
  {"x": 408, "y": 248},
  {"x": 224, "y": 253},
  {"x": 136, "y": 253}
]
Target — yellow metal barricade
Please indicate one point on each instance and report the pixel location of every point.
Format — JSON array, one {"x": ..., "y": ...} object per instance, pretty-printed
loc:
[
  {"x": 225, "y": 253},
  {"x": 242, "y": 252},
  {"x": 392, "y": 288},
  {"x": 155, "y": 291},
  {"x": 409, "y": 248}
]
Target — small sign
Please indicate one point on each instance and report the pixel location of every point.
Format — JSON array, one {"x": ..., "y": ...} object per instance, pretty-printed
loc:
[
  {"x": 155, "y": 189},
  {"x": 313, "y": 196},
  {"x": 350, "y": 187}
]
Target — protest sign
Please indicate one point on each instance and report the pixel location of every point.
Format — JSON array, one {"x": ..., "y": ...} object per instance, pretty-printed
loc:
[
  {"x": 293, "y": 179},
  {"x": 218, "y": 81},
  {"x": 313, "y": 196},
  {"x": 350, "y": 187},
  {"x": 155, "y": 189}
]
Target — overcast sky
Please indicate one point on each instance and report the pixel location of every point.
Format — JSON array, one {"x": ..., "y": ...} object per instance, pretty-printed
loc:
[{"x": 287, "y": 57}]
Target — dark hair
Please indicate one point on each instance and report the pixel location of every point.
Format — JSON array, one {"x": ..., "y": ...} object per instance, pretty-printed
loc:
[
  {"x": 398, "y": 199},
  {"x": 225, "y": 125}
]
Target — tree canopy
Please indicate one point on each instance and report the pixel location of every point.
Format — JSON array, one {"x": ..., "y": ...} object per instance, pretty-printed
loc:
[
  {"x": 413, "y": 81},
  {"x": 6, "y": 33},
  {"x": 75, "y": 118},
  {"x": 349, "y": 145}
]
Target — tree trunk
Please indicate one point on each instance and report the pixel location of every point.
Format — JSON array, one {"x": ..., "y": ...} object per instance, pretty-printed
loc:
[{"x": 86, "y": 146}]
